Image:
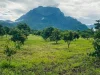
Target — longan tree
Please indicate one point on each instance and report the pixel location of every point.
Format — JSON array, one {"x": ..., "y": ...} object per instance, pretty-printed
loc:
[
  {"x": 55, "y": 36},
  {"x": 68, "y": 37}
]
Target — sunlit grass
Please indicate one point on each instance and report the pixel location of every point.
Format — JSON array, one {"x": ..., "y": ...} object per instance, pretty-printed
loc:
[{"x": 39, "y": 57}]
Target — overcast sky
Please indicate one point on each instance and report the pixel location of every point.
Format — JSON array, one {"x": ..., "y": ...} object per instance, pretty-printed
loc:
[{"x": 86, "y": 11}]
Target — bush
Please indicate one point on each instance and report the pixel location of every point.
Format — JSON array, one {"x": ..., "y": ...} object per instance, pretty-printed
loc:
[
  {"x": 96, "y": 44},
  {"x": 9, "y": 52}
]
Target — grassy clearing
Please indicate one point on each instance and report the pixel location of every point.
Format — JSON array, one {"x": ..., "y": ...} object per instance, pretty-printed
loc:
[{"x": 38, "y": 57}]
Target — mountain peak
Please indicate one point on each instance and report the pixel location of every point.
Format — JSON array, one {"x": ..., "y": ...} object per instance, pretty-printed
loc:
[
  {"x": 47, "y": 7},
  {"x": 42, "y": 17},
  {"x": 46, "y": 10}
]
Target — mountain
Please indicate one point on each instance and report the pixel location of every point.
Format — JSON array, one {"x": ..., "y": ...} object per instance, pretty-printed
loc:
[
  {"x": 42, "y": 17},
  {"x": 90, "y": 26},
  {"x": 6, "y": 23}
]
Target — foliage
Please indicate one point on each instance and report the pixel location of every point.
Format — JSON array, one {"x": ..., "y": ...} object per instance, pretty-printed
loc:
[
  {"x": 76, "y": 35},
  {"x": 47, "y": 32},
  {"x": 18, "y": 37},
  {"x": 97, "y": 34},
  {"x": 19, "y": 34},
  {"x": 87, "y": 33},
  {"x": 2, "y": 32},
  {"x": 36, "y": 32},
  {"x": 96, "y": 42},
  {"x": 9, "y": 52},
  {"x": 68, "y": 37},
  {"x": 97, "y": 25},
  {"x": 24, "y": 28},
  {"x": 6, "y": 29},
  {"x": 55, "y": 36}
]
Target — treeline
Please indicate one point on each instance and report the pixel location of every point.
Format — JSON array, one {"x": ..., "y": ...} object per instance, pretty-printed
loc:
[
  {"x": 54, "y": 34},
  {"x": 21, "y": 31}
]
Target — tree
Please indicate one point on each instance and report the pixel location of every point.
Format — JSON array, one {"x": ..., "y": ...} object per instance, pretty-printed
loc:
[
  {"x": 18, "y": 37},
  {"x": 36, "y": 32},
  {"x": 68, "y": 37},
  {"x": 55, "y": 36},
  {"x": 47, "y": 32},
  {"x": 96, "y": 42},
  {"x": 24, "y": 28},
  {"x": 2, "y": 32},
  {"x": 97, "y": 34},
  {"x": 6, "y": 30},
  {"x": 97, "y": 25},
  {"x": 19, "y": 34},
  {"x": 85, "y": 35},
  {"x": 76, "y": 35}
]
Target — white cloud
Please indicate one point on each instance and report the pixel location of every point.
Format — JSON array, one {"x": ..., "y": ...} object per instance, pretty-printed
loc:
[{"x": 86, "y": 11}]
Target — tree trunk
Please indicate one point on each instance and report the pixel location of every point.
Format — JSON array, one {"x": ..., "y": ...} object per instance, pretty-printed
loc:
[
  {"x": 9, "y": 61},
  {"x": 6, "y": 35},
  {"x": 68, "y": 43},
  {"x": 56, "y": 41}
]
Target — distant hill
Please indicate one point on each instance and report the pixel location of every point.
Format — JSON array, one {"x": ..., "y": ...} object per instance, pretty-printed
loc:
[
  {"x": 42, "y": 17},
  {"x": 6, "y": 23},
  {"x": 90, "y": 26}
]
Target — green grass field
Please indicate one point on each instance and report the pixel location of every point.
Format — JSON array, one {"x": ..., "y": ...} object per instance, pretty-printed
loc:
[{"x": 39, "y": 57}]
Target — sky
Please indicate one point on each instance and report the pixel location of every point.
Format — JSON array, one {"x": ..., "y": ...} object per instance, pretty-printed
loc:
[{"x": 86, "y": 11}]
